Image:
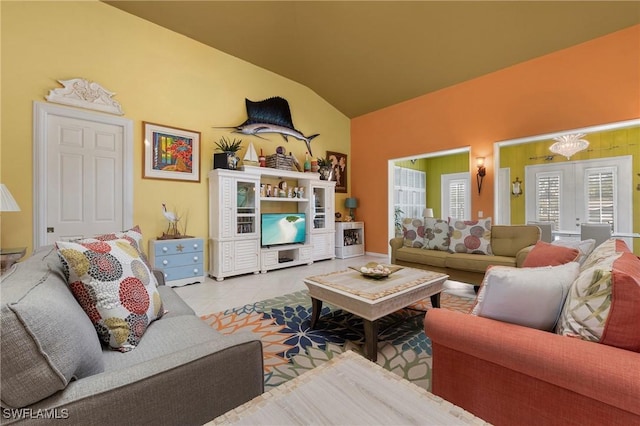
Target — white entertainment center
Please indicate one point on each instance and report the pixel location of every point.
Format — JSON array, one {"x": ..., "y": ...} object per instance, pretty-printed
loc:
[{"x": 237, "y": 198}]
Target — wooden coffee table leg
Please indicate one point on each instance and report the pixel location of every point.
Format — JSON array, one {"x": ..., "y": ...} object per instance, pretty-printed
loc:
[
  {"x": 371, "y": 339},
  {"x": 316, "y": 308},
  {"x": 435, "y": 300}
]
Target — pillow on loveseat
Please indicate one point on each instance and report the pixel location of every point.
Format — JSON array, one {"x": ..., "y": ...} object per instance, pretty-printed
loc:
[
  {"x": 603, "y": 251},
  {"x": 531, "y": 297},
  {"x": 546, "y": 254},
  {"x": 603, "y": 304},
  {"x": 115, "y": 288},
  {"x": 585, "y": 247},
  {"x": 437, "y": 234},
  {"x": 470, "y": 236},
  {"x": 133, "y": 235},
  {"x": 413, "y": 230}
]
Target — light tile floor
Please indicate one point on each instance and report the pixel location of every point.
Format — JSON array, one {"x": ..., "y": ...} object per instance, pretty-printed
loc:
[{"x": 215, "y": 296}]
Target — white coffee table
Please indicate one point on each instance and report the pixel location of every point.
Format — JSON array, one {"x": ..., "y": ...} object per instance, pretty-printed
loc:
[
  {"x": 373, "y": 299},
  {"x": 348, "y": 390}
]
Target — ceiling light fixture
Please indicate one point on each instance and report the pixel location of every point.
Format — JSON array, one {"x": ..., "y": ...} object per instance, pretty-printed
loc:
[{"x": 568, "y": 145}]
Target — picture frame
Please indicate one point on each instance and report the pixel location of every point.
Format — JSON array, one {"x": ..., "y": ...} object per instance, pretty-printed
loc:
[
  {"x": 171, "y": 153},
  {"x": 338, "y": 163}
]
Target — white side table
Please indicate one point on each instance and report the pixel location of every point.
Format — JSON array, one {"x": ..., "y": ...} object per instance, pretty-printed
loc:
[{"x": 349, "y": 239}]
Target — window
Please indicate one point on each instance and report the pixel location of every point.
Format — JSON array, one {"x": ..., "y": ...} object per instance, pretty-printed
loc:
[
  {"x": 600, "y": 195},
  {"x": 456, "y": 197},
  {"x": 548, "y": 198},
  {"x": 410, "y": 191}
]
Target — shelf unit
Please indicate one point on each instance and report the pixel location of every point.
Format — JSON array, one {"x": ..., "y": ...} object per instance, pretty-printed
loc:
[
  {"x": 234, "y": 215},
  {"x": 236, "y": 200},
  {"x": 349, "y": 239}
]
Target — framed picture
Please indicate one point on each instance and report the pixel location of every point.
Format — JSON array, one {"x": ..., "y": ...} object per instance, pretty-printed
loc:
[
  {"x": 338, "y": 164},
  {"x": 171, "y": 153}
]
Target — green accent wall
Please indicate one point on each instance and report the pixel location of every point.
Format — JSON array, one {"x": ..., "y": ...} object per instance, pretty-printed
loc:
[
  {"x": 611, "y": 143},
  {"x": 434, "y": 167}
]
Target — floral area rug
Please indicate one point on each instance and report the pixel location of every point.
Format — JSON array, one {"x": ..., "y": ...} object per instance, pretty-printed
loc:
[{"x": 291, "y": 347}]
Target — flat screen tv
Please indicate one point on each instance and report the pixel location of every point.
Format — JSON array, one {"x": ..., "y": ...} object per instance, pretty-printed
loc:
[{"x": 282, "y": 228}]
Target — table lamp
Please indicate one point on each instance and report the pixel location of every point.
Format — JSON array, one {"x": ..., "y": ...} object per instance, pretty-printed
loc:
[
  {"x": 351, "y": 203},
  {"x": 7, "y": 202},
  {"x": 428, "y": 212}
]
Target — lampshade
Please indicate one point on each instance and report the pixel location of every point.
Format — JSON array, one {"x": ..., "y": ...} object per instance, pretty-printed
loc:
[
  {"x": 427, "y": 212},
  {"x": 567, "y": 145},
  {"x": 351, "y": 203},
  {"x": 7, "y": 202}
]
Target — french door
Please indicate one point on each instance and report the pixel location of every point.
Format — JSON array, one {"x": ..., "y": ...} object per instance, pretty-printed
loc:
[{"x": 571, "y": 193}]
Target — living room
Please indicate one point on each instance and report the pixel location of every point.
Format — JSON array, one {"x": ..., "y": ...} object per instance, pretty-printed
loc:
[{"x": 163, "y": 77}]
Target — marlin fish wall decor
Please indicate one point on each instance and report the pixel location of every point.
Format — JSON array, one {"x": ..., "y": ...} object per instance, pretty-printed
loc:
[{"x": 271, "y": 115}]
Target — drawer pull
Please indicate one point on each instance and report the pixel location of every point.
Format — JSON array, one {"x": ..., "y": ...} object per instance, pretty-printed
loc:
[
  {"x": 165, "y": 249},
  {"x": 195, "y": 271},
  {"x": 195, "y": 258},
  {"x": 195, "y": 246},
  {"x": 165, "y": 262},
  {"x": 166, "y": 275}
]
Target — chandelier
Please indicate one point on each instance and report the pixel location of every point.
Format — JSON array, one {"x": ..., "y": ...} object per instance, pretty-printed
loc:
[{"x": 567, "y": 145}]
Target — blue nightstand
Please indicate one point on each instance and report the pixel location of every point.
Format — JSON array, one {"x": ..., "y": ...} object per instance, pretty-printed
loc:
[{"x": 181, "y": 260}]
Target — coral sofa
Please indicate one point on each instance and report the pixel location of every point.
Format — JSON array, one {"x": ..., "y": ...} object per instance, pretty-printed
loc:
[
  {"x": 509, "y": 247},
  {"x": 510, "y": 374},
  {"x": 54, "y": 367}
]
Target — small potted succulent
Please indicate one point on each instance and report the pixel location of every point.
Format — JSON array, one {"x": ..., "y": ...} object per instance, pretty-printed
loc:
[{"x": 227, "y": 158}]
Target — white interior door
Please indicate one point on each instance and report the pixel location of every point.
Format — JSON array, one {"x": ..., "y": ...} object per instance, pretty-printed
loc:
[
  {"x": 455, "y": 196},
  {"x": 84, "y": 182}
]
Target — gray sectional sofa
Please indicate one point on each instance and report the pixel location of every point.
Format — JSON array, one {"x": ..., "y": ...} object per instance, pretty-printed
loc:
[
  {"x": 510, "y": 245},
  {"x": 54, "y": 367}
]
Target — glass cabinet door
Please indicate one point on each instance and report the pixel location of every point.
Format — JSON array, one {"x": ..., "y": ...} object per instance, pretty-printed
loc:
[
  {"x": 246, "y": 207},
  {"x": 319, "y": 208}
]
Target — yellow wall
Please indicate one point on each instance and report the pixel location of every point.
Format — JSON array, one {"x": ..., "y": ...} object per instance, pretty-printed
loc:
[
  {"x": 438, "y": 166},
  {"x": 610, "y": 143},
  {"x": 158, "y": 76}
]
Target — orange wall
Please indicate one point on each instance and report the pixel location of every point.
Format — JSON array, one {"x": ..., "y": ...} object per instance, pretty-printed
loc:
[{"x": 592, "y": 83}]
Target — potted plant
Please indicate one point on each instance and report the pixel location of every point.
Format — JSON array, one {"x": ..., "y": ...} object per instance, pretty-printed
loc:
[
  {"x": 227, "y": 158},
  {"x": 397, "y": 221}
]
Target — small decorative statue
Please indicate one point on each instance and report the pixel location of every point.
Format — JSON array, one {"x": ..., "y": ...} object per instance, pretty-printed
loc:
[{"x": 172, "y": 230}]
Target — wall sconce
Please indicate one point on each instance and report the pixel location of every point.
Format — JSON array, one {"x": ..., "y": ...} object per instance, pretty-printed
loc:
[
  {"x": 516, "y": 187},
  {"x": 351, "y": 203},
  {"x": 482, "y": 171}
]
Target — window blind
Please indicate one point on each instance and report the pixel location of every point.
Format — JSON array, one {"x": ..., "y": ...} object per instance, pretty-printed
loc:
[
  {"x": 600, "y": 191},
  {"x": 457, "y": 197},
  {"x": 548, "y": 197}
]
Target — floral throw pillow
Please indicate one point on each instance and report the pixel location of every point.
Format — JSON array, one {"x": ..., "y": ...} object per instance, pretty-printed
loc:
[
  {"x": 413, "y": 230},
  {"x": 115, "y": 288},
  {"x": 133, "y": 235},
  {"x": 437, "y": 234},
  {"x": 470, "y": 236}
]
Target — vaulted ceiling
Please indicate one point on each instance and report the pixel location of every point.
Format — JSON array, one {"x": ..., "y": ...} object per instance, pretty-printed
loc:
[{"x": 362, "y": 56}]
